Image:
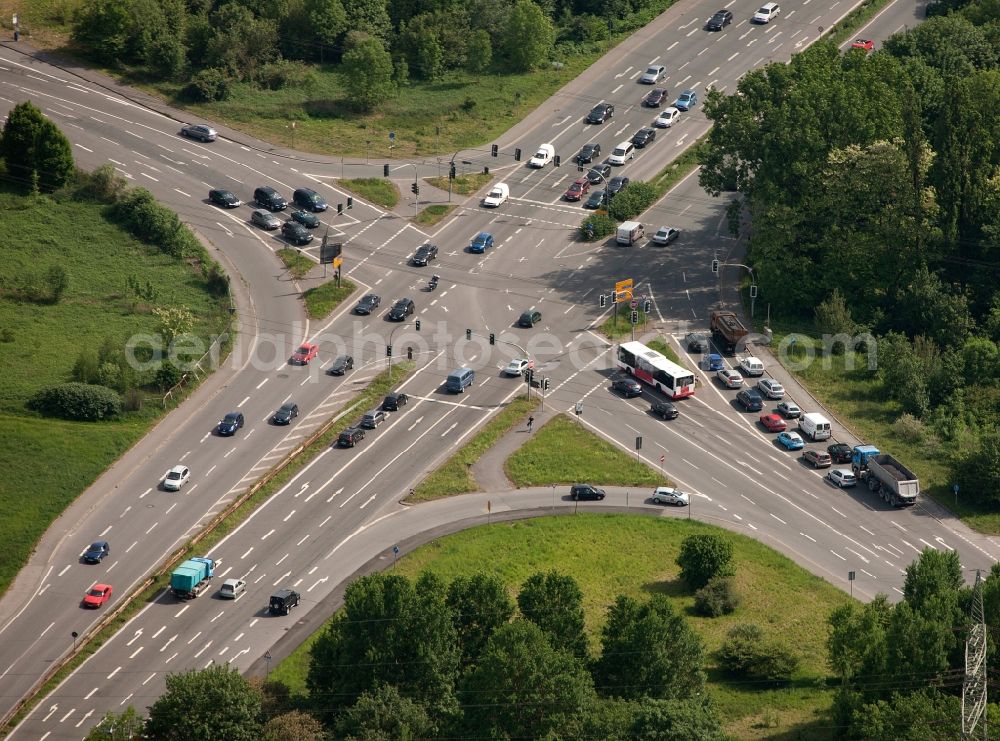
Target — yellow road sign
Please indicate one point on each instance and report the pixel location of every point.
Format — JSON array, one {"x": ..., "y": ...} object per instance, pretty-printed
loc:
[
  {"x": 623, "y": 290},
  {"x": 337, "y": 262}
]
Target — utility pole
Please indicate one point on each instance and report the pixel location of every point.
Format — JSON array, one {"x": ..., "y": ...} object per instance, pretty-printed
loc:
[{"x": 974, "y": 682}]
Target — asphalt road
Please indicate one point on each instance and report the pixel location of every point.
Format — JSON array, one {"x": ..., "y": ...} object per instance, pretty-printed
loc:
[{"x": 316, "y": 532}]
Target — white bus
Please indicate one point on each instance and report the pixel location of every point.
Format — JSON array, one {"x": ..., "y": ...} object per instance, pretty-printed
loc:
[{"x": 656, "y": 370}]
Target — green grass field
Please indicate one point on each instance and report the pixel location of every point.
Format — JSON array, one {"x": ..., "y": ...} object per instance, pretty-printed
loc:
[
  {"x": 375, "y": 190},
  {"x": 621, "y": 554},
  {"x": 321, "y": 300},
  {"x": 463, "y": 185},
  {"x": 46, "y": 463}
]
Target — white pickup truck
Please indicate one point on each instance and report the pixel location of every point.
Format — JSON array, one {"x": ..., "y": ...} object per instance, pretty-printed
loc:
[
  {"x": 497, "y": 195},
  {"x": 543, "y": 156}
]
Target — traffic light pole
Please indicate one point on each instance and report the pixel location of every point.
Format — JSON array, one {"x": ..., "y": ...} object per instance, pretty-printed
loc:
[
  {"x": 494, "y": 340},
  {"x": 388, "y": 348}
]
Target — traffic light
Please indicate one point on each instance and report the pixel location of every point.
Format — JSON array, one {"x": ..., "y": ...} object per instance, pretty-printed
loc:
[
  {"x": 493, "y": 339},
  {"x": 468, "y": 334},
  {"x": 388, "y": 351},
  {"x": 614, "y": 297},
  {"x": 340, "y": 209},
  {"x": 486, "y": 171},
  {"x": 385, "y": 171},
  {"x": 495, "y": 150},
  {"x": 715, "y": 266},
  {"x": 635, "y": 316},
  {"x": 529, "y": 375},
  {"x": 753, "y": 290},
  {"x": 545, "y": 384},
  {"x": 646, "y": 305},
  {"x": 602, "y": 300},
  {"x": 417, "y": 324},
  {"x": 557, "y": 161},
  {"x": 517, "y": 154},
  {"x": 415, "y": 188},
  {"x": 350, "y": 202},
  {"x": 451, "y": 172}
]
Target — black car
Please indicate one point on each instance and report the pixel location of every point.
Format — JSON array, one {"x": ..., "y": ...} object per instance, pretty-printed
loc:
[
  {"x": 368, "y": 304},
  {"x": 424, "y": 254},
  {"x": 283, "y": 601},
  {"x": 230, "y": 423},
  {"x": 401, "y": 309},
  {"x": 350, "y": 437},
  {"x": 664, "y": 409},
  {"x": 529, "y": 318},
  {"x": 750, "y": 400},
  {"x": 597, "y": 199},
  {"x": 696, "y": 342},
  {"x": 287, "y": 412},
  {"x": 589, "y": 153},
  {"x": 309, "y": 199},
  {"x": 719, "y": 21},
  {"x": 270, "y": 199},
  {"x": 840, "y": 452},
  {"x": 308, "y": 220},
  {"x": 224, "y": 198},
  {"x": 296, "y": 233},
  {"x": 599, "y": 173},
  {"x": 394, "y": 400},
  {"x": 626, "y": 386},
  {"x": 655, "y": 97},
  {"x": 97, "y": 551},
  {"x": 341, "y": 365},
  {"x": 644, "y": 136},
  {"x": 600, "y": 113},
  {"x": 585, "y": 491},
  {"x": 616, "y": 185}
]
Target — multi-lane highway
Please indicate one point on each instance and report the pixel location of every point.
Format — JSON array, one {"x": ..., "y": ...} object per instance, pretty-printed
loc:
[{"x": 316, "y": 530}]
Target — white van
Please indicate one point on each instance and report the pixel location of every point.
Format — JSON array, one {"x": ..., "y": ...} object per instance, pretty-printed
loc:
[
  {"x": 543, "y": 156},
  {"x": 497, "y": 195},
  {"x": 767, "y": 13},
  {"x": 629, "y": 233},
  {"x": 752, "y": 366},
  {"x": 815, "y": 426},
  {"x": 622, "y": 153}
]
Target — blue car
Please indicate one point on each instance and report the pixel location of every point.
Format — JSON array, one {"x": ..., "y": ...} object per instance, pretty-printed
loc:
[
  {"x": 687, "y": 101},
  {"x": 481, "y": 242},
  {"x": 715, "y": 362},
  {"x": 791, "y": 441}
]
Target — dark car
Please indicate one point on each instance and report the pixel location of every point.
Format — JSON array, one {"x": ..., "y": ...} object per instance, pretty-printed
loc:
[
  {"x": 368, "y": 304},
  {"x": 626, "y": 386},
  {"x": 751, "y": 400},
  {"x": 230, "y": 423},
  {"x": 308, "y": 220},
  {"x": 199, "y": 131},
  {"x": 424, "y": 254},
  {"x": 585, "y": 491},
  {"x": 589, "y": 153},
  {"x": 309, "y": 199},
  {"x": 394, "y": 400},
  {"x": 296, "y": 233},
  {"x": 341, "y": 365},
  {"x": 224, "y": 198},
  {"x": 664, "y": 409},
  {"x": 97, "y": 551},
  {"x": 696, "y": 342},
  {"x": 401, "y": 309},
  {"x": 529, "y": 318},
  {"x": 616, "y": 185},
  {"x": 599, "y": 173},
  {"x": 597, "y": 199},
  {"x": 655, "y": 97},
  {"x": 644, "y": 136},
  {"x": 270, "y": 199},
  {"x": 288, "y": 411},
  {"x": 350, "y": 437},
  {"x": 283, "y": 601},
  {"x": 600, "y": 113},
  {"x": 719, "y": 21},
  {"x": 840, "y": 452}
]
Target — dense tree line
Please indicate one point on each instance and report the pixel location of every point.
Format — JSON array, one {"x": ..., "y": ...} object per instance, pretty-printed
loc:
[
  {"x": 380, "y": 44},
  {"x": 872, "y": 184}
]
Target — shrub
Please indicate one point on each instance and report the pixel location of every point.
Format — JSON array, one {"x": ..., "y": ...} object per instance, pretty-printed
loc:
[
  {"x": 208, "y": 85},
  {"x": 703, "y": 557},
  {"x": 168, "y": 375},
  {"x": 745, "y": 653},
  {"x": 632, "y": 201},
  {"x": 597, "y": 226},
  {"x": 58, "y": 281},
  {"x": 718, "y": 597},
  {"x": 86, "y": 366},
  {"x": 286, "y": 73},
  {"x": 151, "y": 222},
  {"x": 82, "y": 401}
]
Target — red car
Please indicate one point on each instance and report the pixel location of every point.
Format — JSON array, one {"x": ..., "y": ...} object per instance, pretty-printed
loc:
[
  {"x": 866, "y": 44},
  {"x": 577, "y": 190},
  {"x": 304, "y": 354},
  {"x": 773, "y": 422},
  {"x": 97, "y": 595}
]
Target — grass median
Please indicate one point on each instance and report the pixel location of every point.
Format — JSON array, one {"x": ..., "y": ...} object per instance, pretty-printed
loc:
[
  {"x": 563, "y": 452},
  {"x": 434, "y": 213},
  {"x": 380, "y": 191},
  {"x": 463, "y": 185},
  {"x": 298, "y": 265},
  {"x": 323, "y": 299},
  {"x": 455, "y": 475}
]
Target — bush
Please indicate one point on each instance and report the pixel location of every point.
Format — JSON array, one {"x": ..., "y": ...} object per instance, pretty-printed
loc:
[
  {"x": 103, "y": 185},
  {"x": 597, "y": 226},
  {"x": 703, "y": 557},
  {"x": 151, "y": 222},
  {"x": 718, "y": 597},
  {"x": 167, "y": 376},
  {"x": 58, "y": 281},
  {"x": 81, "y": 401},
  {"x": 745, "y": 653},
  {"x": 208, "y": 85},
  {"x": 632, "y": 201},
  {"x": 86, "y": 367},
  {"x": 286, "y": 73}
]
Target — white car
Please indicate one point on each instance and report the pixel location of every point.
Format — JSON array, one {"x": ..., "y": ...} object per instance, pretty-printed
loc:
[
  {"x": 232, "y": 588},
  {"x": 497, "y": 195},
  {"x": 842, "y": 478},
  {"x": 665, "y": 235},
  {"x": 518, "y": 366},
  {"x": 669, "y": 495},
  {"x": 730, "y": 378},
  {"x": 767, "y": 12},
  {"x": 543, "y": 156},
  {"x": 667, "y": 118},
  {"x": 771, "y": 388},
  {"x": 656, "y": 73},
  {"x": 176, "y": 478}
]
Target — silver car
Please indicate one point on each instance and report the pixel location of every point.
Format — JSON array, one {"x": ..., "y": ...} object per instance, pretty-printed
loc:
[
  {"x": 264, "y": 219},
  {"x": 669, "y": 495},
  {"x": 199, "y": 131},
  {"x": 232, "y": 588},
  {"x": 373, "y": 419},
  {"x": 656, "y": 73}
]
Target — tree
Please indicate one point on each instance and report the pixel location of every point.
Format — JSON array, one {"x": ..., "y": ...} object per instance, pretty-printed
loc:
[
  {"x": 903, "y": 375},
  {"x": 747, "y": 653},
  {"x": 978, "y": 470},
  {"x": 371, "y": 17},
  {"x": 241, "y": 44},
  {"x": 174, "y": 322},
  {"x": 368, "y": 66},
  {"x": 921, "y": 715},
  {"x": 102, "y": 27},
  {"x": 833, "y": 317},
  {"x": 718, "y": 597},
  {"x": 479, "y": 52},
  {"x": 554, "y": 603},
  {"x": 652, "y": 720},
  {"x": 528, "y": 37},
  {"x": 124, "y": 726},
  {"x": 383, "y": 714},
  {"x": 705, "y": 556},
  {"x": 479, "y": 606},
  {"x": 36, "y": 152},
  {"x": 294, "y": 724},
  {"x": 635, "y": 658},
  {"x": 858, "y": 641},
  {"x": 212, "y": 703},
  {"x": 522, "y": 687},
  {"x": 933, "y": 575},
  {"x": 980, "y": 360},
  {"x": 327, "y": 22}
]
